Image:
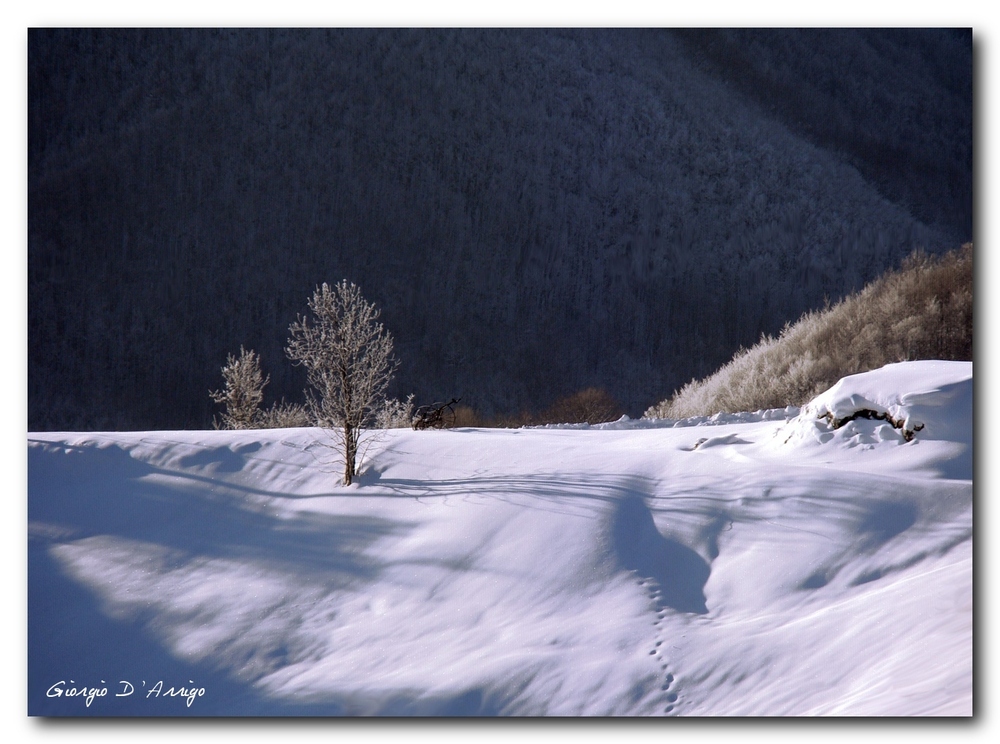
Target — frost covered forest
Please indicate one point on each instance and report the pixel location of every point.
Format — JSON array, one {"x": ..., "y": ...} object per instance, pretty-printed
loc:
[{"x": 534, "y": 211}]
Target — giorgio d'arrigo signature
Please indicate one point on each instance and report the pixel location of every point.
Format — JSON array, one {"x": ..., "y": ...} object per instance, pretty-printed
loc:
[{"x": 124, "y": 689}]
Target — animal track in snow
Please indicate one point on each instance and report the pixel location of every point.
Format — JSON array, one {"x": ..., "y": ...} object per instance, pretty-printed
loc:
[
  {"x": 670, "y": 697},
  {"x": 671, "y": 574}
]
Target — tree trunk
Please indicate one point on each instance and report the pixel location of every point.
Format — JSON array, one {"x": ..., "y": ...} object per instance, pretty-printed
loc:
[{"x": 350, "y": 452}]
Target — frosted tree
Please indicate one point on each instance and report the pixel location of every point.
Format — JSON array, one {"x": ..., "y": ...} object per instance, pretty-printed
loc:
[
  {"x": 348, "y": 358},
  {"x": 243, "y": 392}
]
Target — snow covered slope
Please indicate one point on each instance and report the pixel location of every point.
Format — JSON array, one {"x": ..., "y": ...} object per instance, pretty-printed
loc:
[{"x": 776, "y": 567}]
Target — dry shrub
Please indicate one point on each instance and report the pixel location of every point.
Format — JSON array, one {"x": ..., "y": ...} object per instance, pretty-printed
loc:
[
  {"x": 466, "y": 416},
  {"x": 921, "y": 311},
  {"x": 589, "y": 406},
  {"x": 284, "y": 416},
  {"x": 513, "y": 420},
  {"x": 395, "y": 414}
]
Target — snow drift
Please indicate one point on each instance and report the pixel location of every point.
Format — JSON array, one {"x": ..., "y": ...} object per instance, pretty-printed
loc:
[{"x": 773, "y": 566}]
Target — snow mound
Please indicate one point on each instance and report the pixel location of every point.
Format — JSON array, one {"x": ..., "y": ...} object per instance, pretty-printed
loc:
[{"x": 901, "y": 403}]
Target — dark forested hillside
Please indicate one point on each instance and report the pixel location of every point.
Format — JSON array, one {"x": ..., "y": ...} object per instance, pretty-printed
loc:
[{"x": 536, "y": 211}]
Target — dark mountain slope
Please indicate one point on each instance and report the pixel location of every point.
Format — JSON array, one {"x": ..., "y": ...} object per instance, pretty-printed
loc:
[
  {"x": 535, "y": 211},
  {"x": 895, "y": 103}
]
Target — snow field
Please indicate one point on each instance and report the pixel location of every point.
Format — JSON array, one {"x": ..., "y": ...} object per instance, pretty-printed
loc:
[{"x": 762, "y": 567}]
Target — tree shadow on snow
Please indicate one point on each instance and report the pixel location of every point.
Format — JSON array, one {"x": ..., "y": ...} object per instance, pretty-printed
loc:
[
  {"x": 225, "y": 459},
  {"x": 101, "y": 490},
  {"x": 78, "y": 492},
  {"x": 71, "y": 639},
  {"x": 556, "y": 488}
]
